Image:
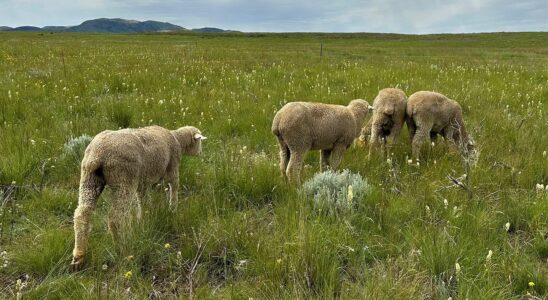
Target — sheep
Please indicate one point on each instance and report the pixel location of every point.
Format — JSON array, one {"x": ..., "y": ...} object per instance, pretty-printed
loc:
[
  {"x": 128, "y": 160},
  {"x": 430, "y": 114},
  {"x": 387, "y": 120},
  {"x": 303, "y": 126}
]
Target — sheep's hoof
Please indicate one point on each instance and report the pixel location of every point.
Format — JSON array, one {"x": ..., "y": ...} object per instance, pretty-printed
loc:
[{"x": 77, "y": 263}]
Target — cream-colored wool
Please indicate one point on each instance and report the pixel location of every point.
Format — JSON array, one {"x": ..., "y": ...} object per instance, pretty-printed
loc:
[
  {"x": 304, "y": 126},
  {"x": 388, "y": 117},
  {"x": 430, "y": 114},
  {"x": 128, "y": 160}
]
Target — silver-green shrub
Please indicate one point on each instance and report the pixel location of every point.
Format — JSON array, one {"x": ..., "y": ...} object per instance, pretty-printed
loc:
[
  {"x": 336, "y": 190},
  {"x": 74, "y": 148}
]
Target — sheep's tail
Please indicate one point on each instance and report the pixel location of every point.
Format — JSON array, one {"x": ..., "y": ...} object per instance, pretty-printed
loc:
[{"x": 275, "y": 126}]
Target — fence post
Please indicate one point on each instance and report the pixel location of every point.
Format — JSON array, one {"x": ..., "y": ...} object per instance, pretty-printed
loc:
[{"x": 321, "y": 49}]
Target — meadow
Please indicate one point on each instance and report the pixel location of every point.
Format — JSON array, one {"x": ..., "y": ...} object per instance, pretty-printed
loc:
[{"x": 240, "y": 232}]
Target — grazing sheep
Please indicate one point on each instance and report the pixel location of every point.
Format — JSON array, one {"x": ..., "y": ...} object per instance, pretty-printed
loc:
[
  {"x": 430, "y": 114},
  {"x": 303, "y": 126},
  {"x": 387, "y": 120},
  {"x": 128, "y": 160}
]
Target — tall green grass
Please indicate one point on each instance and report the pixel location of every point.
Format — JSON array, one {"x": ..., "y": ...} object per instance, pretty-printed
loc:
[{"x": 240, "y": 231}]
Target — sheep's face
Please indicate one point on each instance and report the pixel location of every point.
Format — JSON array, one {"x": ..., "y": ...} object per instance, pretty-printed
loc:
[
  {"x": 360, "y": 108},
  {"x": 190, "y": 138},
  {"x": 195, "y": 147}
]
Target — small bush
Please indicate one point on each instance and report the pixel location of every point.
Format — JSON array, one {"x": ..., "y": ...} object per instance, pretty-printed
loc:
[
  {"x": 336, "y": 191},
  {"x": 74, "y": 148}
]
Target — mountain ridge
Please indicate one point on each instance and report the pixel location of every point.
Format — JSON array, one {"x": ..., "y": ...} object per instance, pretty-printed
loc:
[{"x": 113, "y": 25}]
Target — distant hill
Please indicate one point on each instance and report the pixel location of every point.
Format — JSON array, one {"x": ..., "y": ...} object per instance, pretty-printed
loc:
[
  {"x": 25, "y": 28},
  {"x": 210, "y": 29},
  {"x": 105, "y": 25},
  {"x": 54, "y": 28},
  {"x": 123, "y": 26}
]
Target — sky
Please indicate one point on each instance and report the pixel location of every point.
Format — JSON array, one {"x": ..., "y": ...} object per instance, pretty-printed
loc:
[{"x": 417, "y": 17}]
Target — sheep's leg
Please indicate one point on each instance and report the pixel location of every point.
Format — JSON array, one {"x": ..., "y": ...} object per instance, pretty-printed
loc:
[
  {"x": 411, "y": 127},
  {"x": 374, "y": 139},
  {"x": 324, "y": 159},
  {"x": 390, "y": 140},
  {"x": 138, "y": 207},
  {"x": 394, "y": 133},
  {"x": 141, "y": 195},
  {"x": 294, "y": 167},
  {"x": 124, "y": 196},
  {"x": 91, "y": 187},
  {"x": 421, "y": 135},
  {"x": 336, "y": 156},
  {"x": 285, "y": 156},
  {"x": 173, "y": 191}
]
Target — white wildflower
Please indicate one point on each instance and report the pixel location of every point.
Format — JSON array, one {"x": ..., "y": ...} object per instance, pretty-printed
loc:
[
  {"x": 488, "y": 258},
  {"x": 350, "y": 195},
  {"x": 507, "y": 226}
]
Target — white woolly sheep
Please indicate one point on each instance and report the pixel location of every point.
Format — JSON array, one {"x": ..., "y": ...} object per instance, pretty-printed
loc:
[
  {"x": 430, "y": 114},
  {"x": 128, "y": 160},
  {"x": 388, "y": 117},
  {"x": 303, "y": 126}
]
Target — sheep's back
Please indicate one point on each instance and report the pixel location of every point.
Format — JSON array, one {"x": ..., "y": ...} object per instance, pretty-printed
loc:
[
  {"x": 315, "y": 125},
  {"x": 145, "y": 152},
  {"x": 432, "y": 106},
  {"x": 390, "y": 102}
]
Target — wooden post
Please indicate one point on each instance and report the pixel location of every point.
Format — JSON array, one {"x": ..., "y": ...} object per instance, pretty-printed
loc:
[{"x": 321, "y": 49}]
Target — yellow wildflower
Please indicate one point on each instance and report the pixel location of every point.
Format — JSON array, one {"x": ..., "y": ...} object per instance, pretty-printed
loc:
[{"x": 128, "y": 274}]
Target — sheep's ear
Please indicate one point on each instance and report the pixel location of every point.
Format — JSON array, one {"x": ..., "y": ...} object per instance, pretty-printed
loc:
[{"x": 198, "y": 136}]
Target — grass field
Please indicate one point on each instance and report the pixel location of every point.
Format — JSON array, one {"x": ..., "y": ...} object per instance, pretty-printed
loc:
[{"x": 239, "y": 231}]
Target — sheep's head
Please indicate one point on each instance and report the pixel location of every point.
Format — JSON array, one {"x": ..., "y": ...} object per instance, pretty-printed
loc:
[
  {"x": 360, "y": 108},
  {"x": 365, "y": 134},
  {"x": 190, "y": 138}
]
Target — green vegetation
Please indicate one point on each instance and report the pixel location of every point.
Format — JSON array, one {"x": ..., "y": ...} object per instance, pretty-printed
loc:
[{"x": 239, "y": 231}]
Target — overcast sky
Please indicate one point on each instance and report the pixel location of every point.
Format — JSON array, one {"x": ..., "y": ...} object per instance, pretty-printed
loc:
[{"x": 421, "y": 16}]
